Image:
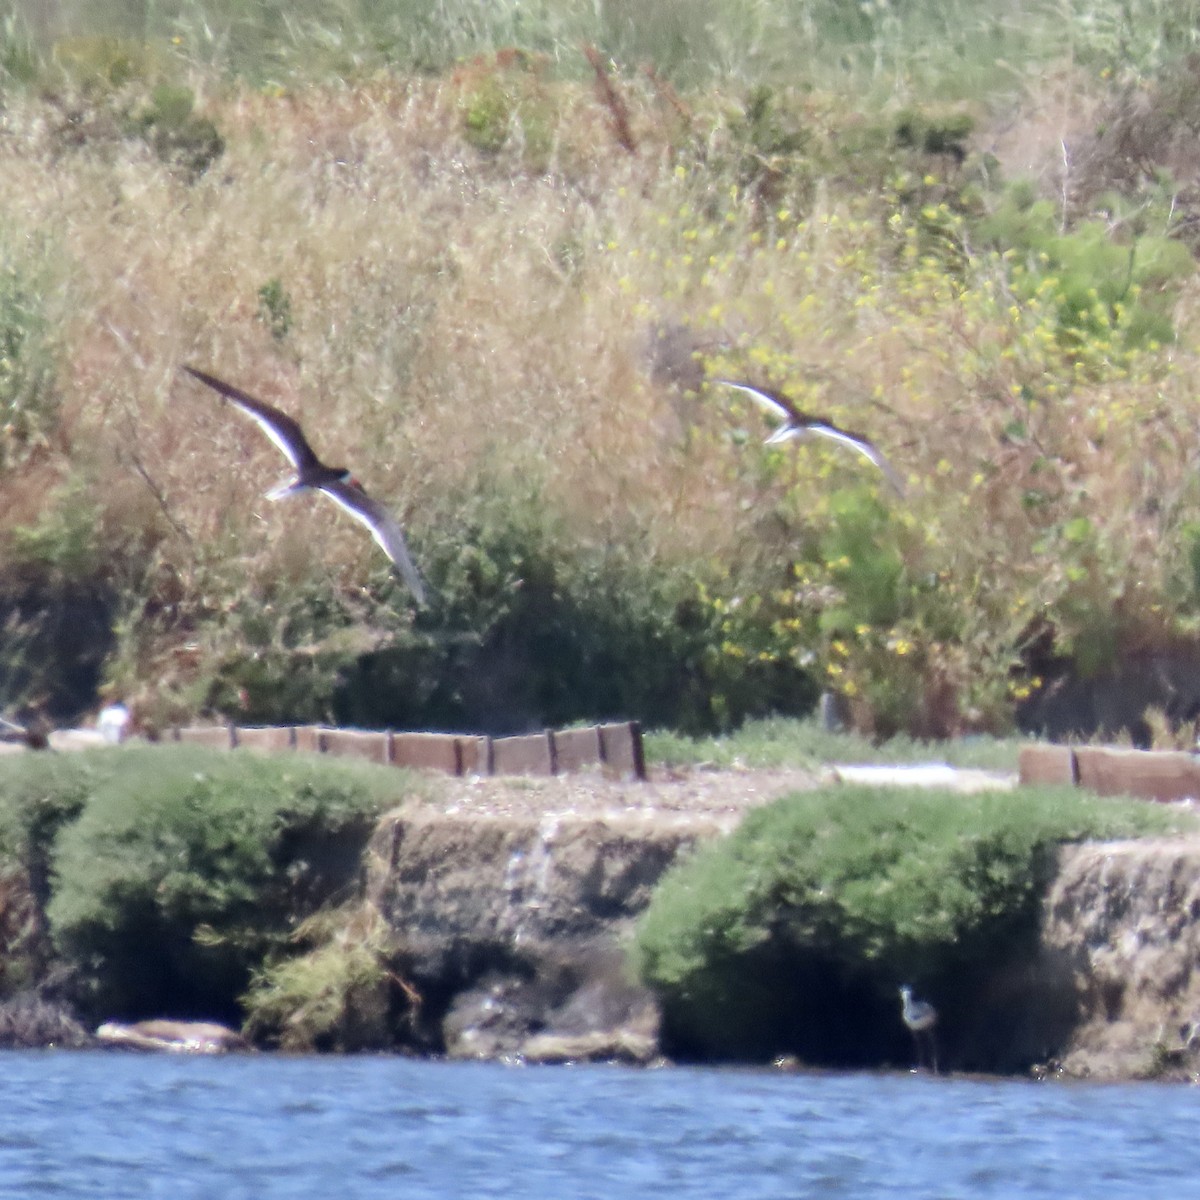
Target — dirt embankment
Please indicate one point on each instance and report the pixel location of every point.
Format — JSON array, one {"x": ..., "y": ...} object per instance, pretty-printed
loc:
[
  {"x": 514, "y": 897},
  {"x": 1123, "y": 920}
]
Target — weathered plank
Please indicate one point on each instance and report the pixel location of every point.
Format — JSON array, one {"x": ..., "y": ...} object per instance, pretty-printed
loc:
[
  {"x": 576, "y": 749},
  {"x": 617, "y": 747},
  {"x": 1153, "y": 774},
  {"x": 372, "y": 745},
  {"x": 474, "y": 754},
  {"x": 621, "y": 749},
  {"x": 427, "y": 751},
  {"x": 1047, "y": 764},
  {"x": 266, "y": 738},
  {"x": 532, "y": 754},
  {"x": 309, "y": 738},
  {"x": 220, "y": 737}
]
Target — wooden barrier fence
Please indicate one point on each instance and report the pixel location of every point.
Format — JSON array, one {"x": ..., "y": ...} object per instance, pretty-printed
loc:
[
  {"x": 616, "y": 748},
  {"x": 1163, "y": 775}
]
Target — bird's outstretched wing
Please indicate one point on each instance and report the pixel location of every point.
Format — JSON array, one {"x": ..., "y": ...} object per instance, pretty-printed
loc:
[
  {"x": 863, "y": 445},
  {"x": 385, "y": 529},
  {"x": 278, "y": 426},
  {"x": 777, "y": 404},
  {"x": 798, "y": 424}
]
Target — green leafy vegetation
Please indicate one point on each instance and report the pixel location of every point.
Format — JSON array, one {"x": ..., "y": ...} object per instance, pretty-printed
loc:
[
  {"x": 807, "y": 743},
  {"x": 177, "y": 871},
  {"x": 335, "y": 992},
  {"x": 793, "y": 934}
]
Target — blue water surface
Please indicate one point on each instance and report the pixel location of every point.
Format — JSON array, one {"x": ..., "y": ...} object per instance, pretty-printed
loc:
[{"x": 101, "y": 1125}]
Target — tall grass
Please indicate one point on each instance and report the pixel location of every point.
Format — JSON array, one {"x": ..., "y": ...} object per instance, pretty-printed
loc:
[
  {"x": 947, "y": 47},
  {"x": 452, "y": 277}
]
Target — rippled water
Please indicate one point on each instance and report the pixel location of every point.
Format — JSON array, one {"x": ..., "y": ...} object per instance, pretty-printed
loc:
[{"x": 104, "y": 1126}]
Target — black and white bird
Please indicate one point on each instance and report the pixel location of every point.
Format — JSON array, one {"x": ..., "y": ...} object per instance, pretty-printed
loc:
[
  {"x": 311, "y": 473},
  {"x": 797, "y": 424},
  {"x": 920, "y": 1017}
]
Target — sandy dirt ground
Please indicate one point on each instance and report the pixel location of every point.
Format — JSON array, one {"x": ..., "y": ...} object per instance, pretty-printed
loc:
[{"x": 726, "y": 792}]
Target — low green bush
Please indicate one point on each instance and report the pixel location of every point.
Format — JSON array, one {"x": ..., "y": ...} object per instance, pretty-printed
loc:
[
  {"x": 334, "y": 992},
  {"x": 187, "y": 867},
  {"x": 792, "y": 935},
  {"x": 39, "y": 795},
  {"x": 807, "y": 743}
]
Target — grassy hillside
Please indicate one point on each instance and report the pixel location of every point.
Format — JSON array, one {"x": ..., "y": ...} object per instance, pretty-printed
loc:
[{"x": 493, "y": 276}]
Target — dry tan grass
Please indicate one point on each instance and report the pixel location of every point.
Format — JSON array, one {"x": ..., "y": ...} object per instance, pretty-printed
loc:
[{"x": 458, "y": 316}]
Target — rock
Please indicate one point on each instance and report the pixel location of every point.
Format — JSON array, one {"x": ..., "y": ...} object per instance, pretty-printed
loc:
[
  {"x": 517, "y": 880},
  {"x": 512, "y": 926},
  {"x": 28, "y": 1021},
  {"x": 618, "y": 1046},
  {"x": 581, "y": 1008},
  {"x": 925, "y": 775},
  {"x": 180, "y": 1037}
]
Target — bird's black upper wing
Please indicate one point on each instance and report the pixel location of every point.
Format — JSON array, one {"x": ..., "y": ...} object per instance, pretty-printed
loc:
[{"x": 278, "y": 426}]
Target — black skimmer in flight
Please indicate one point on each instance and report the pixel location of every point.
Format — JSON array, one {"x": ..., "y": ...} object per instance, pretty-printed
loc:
[
  {"x": 797, "y": 424},
  {"x": 336, "y": 482}
]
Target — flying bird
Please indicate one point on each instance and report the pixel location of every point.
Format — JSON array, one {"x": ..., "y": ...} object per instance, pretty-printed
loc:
[
  {"x": 797, "y": 424},
  {"x": 311, "y": 473}
]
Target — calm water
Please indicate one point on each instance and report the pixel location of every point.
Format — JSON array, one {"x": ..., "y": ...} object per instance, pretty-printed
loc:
[{"x": 102, "y": 1126}]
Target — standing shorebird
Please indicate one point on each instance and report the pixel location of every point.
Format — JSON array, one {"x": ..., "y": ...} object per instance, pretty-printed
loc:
[
  {"x": 920, "y": 1018},
  {"x": 797, "y": 424},
  {"x": 311, "y": 473}
]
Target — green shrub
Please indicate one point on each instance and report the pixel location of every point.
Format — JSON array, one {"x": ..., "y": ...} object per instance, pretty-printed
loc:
[
  {"x": 39, "y": 795},
  {"x": 525, "y": 629},
  {"x": 188, "y": 867},
  {"x": 178, "y": 136},
  {"x": 793, "y": 934},
  {"x": 1105, "y": 287},
  {"x": 506, "y": 100},
  {"x": 531, "y": 633},
  {"x": 20, "y": 61},
  {"x": 335, "y": 994},
  {"x": 275, "y": 308},
  {"x": 806, "y": 743}
]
